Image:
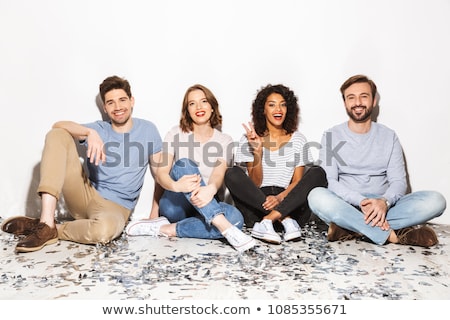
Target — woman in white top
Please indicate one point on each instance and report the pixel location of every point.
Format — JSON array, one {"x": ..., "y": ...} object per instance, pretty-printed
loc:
[
  {"x": 274, "y": 184},
  {"x": 187, "y": 200}
]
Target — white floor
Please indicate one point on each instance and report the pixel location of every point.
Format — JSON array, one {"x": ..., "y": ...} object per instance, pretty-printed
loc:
[{"x": 161, "y": 268}]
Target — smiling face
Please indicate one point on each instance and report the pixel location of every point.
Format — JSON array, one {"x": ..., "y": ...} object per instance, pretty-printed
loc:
[
  {"x": 118, "y": 106},
  {"x": 359, "y": 102},
  {"x": 199, "y": 108},
  {"x": 275, "y": 110}
]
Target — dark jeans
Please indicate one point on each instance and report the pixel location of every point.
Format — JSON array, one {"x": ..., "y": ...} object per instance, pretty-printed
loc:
[{"x": 248, "y": 198}]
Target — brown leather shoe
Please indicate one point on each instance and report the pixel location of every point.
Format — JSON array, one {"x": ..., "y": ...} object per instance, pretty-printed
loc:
[
  {"x": 39, "y": 237},
  {"x": 336, "y": 233},
  {"x": 421, "y": 236},
  {"x": 19, "y": 225}
]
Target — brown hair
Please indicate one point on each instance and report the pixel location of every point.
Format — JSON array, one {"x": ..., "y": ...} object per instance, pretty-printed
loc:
[
  {"x": 114, "y": 82},
  {"x": 359, "y": 78},
  {"x": 186, "y": 122}
]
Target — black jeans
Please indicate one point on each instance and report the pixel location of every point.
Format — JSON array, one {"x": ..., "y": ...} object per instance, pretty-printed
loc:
[{"x": 248, "y": 198}]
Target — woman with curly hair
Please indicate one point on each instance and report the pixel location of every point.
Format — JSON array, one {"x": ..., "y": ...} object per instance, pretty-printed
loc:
[{"x": 271, "y": 180}]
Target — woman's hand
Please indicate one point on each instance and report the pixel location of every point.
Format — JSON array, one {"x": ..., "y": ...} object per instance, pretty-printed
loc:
[
  {"x": 254, "y": 140},
  {"x": 202, "y": 196},
  {"x": 271, "y": 202},
  {"x": 188, "y": 183}
]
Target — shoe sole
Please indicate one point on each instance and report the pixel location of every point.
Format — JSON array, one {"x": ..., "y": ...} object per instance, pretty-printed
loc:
[
  {"x": 31, "y": 249},
  {"x": 292, "y": 236},
  {"x": 129, "y": 228},
  {"x": 264, "y": 237},
  {"x": 246, "y": 246}
]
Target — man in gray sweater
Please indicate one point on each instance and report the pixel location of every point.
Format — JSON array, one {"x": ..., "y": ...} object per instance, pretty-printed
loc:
[{"x": 366, "y": 194}]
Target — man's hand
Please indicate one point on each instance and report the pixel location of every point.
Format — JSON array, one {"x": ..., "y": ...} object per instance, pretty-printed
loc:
[
  {"x": 95, "y": 150},
  {"x": 375, "y": 211}
]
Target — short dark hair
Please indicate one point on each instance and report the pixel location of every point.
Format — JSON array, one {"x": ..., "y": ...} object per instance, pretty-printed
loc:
[
  {"x": 290, "y": 123},
  {"x": 114, "y": 82},
  {"x": 359, "y": 78}
]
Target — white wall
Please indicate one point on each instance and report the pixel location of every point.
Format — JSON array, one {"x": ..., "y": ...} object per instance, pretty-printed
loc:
[{"x": 54, "y": 54}]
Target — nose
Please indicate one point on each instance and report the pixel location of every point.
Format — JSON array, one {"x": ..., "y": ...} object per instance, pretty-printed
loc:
[{"x": 116, "y": 105}]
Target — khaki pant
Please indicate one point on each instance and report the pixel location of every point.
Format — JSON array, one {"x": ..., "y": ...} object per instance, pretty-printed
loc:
[{"x": 97, "y": 220}]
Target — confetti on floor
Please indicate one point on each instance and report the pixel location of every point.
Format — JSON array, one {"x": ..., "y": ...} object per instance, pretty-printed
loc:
[{"x": 171, "y": 268}]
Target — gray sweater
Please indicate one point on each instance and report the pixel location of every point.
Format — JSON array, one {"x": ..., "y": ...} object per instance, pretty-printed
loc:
[{"x": 363, "y": 165}]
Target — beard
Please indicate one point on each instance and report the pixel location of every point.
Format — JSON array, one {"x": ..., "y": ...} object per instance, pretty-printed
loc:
[
  {"x": 122, "y": 121},
  {"x": 361, "y": 116}
]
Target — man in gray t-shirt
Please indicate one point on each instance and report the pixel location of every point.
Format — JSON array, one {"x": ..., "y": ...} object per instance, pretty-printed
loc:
[
  {"x": 102, "y": 199},
  {"x": 366, "y": 175}
]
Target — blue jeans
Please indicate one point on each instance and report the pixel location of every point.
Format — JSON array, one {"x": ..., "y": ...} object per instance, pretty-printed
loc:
[
  {"x": 412, "y": 209},
  {"x": 194, "y": 222}
]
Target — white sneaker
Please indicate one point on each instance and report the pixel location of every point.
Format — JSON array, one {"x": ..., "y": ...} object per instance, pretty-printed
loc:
[
  {"x": 238, "y": 239},
  {"x": 264, "y": 230},
  {"x": 291, "y": 229},
  {"x": 146, "y": 227}
]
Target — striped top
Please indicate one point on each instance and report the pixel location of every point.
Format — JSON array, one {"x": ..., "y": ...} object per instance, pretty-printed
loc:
[{"x": 279, "y": 165}]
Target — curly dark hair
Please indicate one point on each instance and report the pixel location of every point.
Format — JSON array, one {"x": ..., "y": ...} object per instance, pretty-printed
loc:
[{"x": 292, "y": 119}]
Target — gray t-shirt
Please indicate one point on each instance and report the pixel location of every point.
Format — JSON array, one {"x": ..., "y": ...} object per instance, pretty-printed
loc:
[
  {"x": 358, "y": 165},
  {"x": 121, "y": 177}
]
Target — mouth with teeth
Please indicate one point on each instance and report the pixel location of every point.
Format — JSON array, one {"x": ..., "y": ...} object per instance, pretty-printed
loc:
[
  {"x": 359, "y": 109},
  {"x": 278, "y": 116},
  {"x": 359, "y": 113},
  {"x": 119, "y": 113},
  {"x": 200, "y": 113},
  {"x": 119, "y": 116}
]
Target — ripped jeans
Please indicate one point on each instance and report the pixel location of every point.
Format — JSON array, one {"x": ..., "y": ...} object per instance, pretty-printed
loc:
[{"x": 191, "y": 221}]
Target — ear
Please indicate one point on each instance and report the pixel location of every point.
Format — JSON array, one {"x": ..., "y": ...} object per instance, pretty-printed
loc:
[{"x": 375, "y": 101}]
